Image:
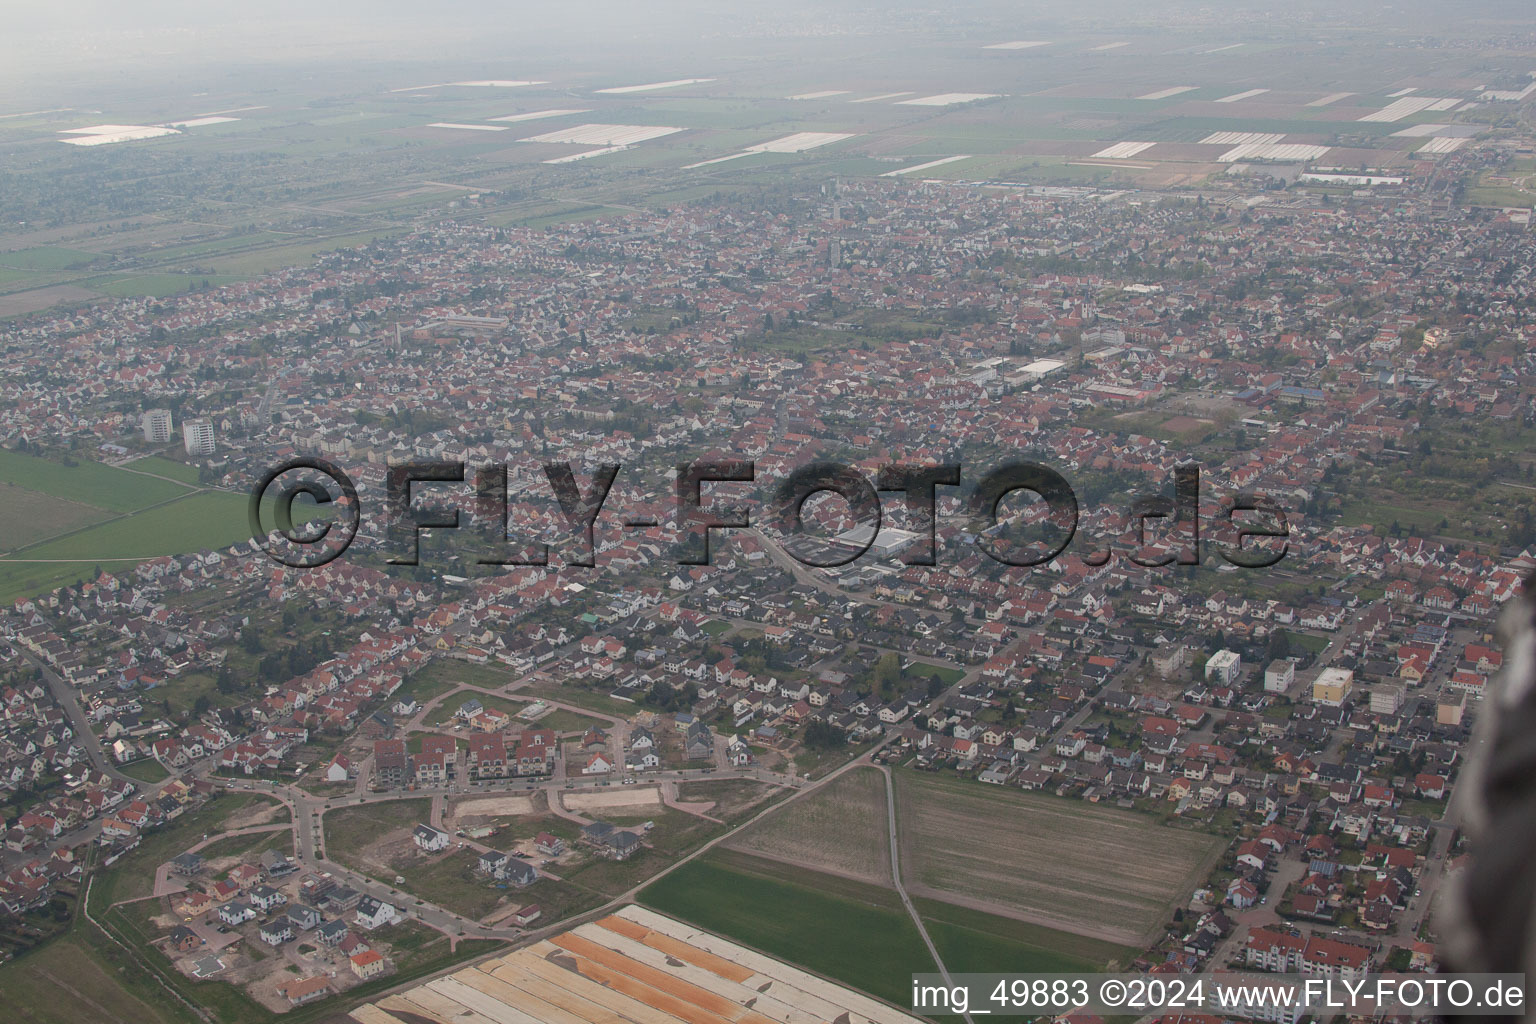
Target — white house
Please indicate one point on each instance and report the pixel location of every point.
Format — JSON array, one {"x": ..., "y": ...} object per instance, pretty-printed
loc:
[
  {"x": 338, "y": 770},
  {"x": 431, "y": 839},
  {"x": 373, "y": 913}
]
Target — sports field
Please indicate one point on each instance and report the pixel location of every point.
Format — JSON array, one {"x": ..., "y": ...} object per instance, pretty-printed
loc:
[{"x": 1095, "y": 871}]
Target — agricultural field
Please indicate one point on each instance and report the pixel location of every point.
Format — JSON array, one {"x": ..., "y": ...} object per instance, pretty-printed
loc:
[
  {"x": 62, "y": 983},
  {"x": 28, "y": 517},
  {"x": 972, "y": 941},
  {"x": 856, "y": 934},
  {"x": 88, "y": 483},
  {"x": 1094, "y": 871},
  {"x": 371, "y": 159},
  {"x": 64, "y": 518},
  {"x": 157, "y": 465},
  {"x": 200, "y": 520},
  {"x": 840, "y": 829}
]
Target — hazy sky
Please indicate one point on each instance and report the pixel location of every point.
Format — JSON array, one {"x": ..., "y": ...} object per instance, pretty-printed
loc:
[{"x": 48, "y": 45}]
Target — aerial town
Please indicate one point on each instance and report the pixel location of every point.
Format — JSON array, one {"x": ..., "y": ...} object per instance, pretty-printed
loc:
[{"x": 1218, "y": 728}]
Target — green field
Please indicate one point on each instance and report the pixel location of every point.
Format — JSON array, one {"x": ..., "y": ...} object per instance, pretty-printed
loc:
[
  {"x": 429, "y": 682},
  {"x": 969, "y": 941},
  {"x": 161, "y": 466},
  {"x": 146, "y": 770},
  {"x": 856, "y": 933},
  {"x": 90, "y": 483},
  {"x": 862, "y": 937},
  {"x": 199, "y": 521},
  {"x": 204, "y": 520},
  {"x": 155, "y": 285},
  {"x": 47, "y": 257},
  {"x": 63, "y": 984}
]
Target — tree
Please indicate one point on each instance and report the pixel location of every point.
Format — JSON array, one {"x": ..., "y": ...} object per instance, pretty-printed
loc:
[
  {"x": 824, "y": 736},
  {"x": 887, "y": 672}
]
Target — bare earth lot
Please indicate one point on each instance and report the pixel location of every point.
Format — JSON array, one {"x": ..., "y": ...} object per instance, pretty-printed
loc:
[
  {"x": 840, "y": 829},
  {"x": 1095, "y": 871},
  {"x": 491, "y": 806},
  {"x": 641, "y": 797}
]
